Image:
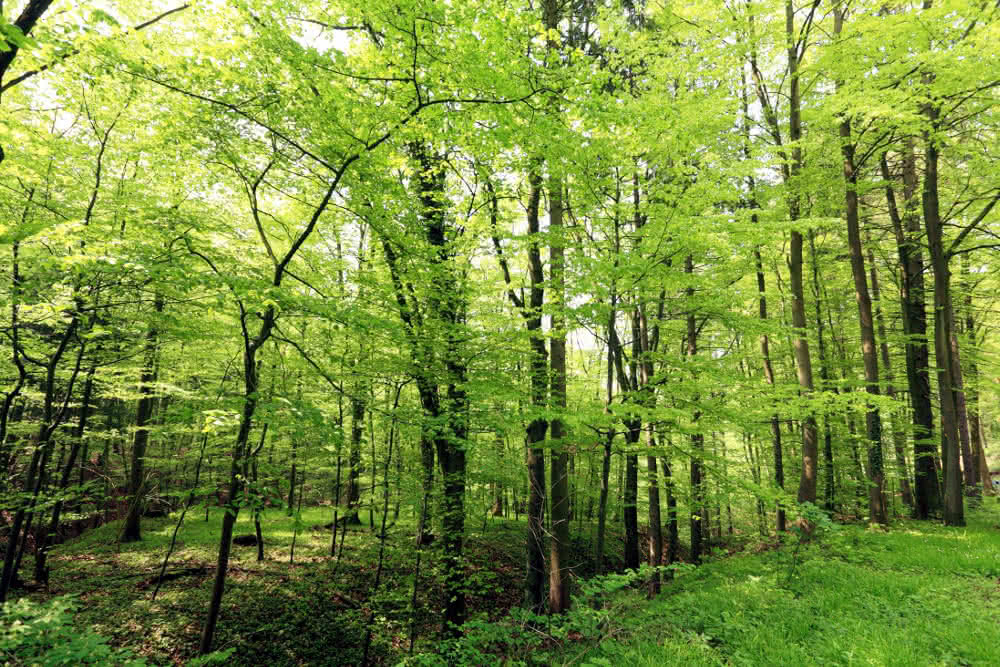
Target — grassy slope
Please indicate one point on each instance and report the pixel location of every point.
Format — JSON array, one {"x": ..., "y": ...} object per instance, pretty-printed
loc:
[{"x": 920, "y": 594}]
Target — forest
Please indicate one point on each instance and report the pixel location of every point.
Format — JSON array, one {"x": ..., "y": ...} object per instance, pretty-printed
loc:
[{"x": 440, "y": 332}]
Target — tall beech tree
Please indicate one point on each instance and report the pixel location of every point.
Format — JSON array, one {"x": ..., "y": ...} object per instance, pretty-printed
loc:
[{"x": 873, "y": 419}]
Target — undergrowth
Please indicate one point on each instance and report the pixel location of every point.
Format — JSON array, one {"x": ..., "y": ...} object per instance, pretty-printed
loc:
[{"x": 915, "y": 594}]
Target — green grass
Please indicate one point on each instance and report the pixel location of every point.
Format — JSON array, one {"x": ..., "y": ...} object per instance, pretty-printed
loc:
[
  {"x": 272, "y": 611},
  {"x": 921, "y": 594},
  {"x": 314, "y": 612}
]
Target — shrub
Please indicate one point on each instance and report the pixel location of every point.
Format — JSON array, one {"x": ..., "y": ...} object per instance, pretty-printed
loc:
[{"x": 43, "y": 634}]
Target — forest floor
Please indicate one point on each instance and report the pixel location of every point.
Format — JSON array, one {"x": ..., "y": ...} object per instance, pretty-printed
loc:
[
  {"x": 917, "y": 594},
  {"x": 314, "y": 611}
]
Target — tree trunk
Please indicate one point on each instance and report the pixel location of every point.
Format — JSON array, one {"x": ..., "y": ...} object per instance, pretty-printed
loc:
[
  {"x": 630, "y": 498},
  {"x": 353, "y": 491},
  {"x": 14, "y": 329},
  {"x": 655, "y": 532},
  {"x": 424, "y": 533},
  {"x": 829, "y": 486},
  {"x": 906, "y": 227},
  {"x": 954, "y": 509},
  {"x": 292, "y": 476},
  {"x": 800, "y": 345},
  {"x": 559, "y": 599},
  {"x": 535, "y": 569},
  {"x": 697, "y": 439},
  {"x": 765, "y": 353},
  {"x": 254, "y": 459},
  {"x": 873, "y": 420},
  {"x": 968, "y": 459},
  {"x": 649, "y": 343},
  {"x": 237, "y": 473},
  {"x": 898, "y": 437},
  {"x": 447, "y": 306},
  {"x": 41, "y": 551},
  {"x": 602, "y": 503},
  {"x": 144, "y": 411},
  {"x": 972, "y": 387},
  {"x": 673, "y": 543}
]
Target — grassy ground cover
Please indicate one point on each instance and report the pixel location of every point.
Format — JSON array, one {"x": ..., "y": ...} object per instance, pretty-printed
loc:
[
  {"x": 315, "y": 611},
  {"x": 919, "y": 594}
]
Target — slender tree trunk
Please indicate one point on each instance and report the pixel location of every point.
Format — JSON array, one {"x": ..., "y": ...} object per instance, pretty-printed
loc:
[
  {"x": 293, "y": 474},
  {"x": 630, "y": 499},
  {"x": 873, "y": 420},
  {"x": 448, "y": 307},
  {"x": 497, "y": 488},
  {"x": 972, "y": 386},
  {"x": 559, "y": 599},
  {"x": 906, "y": 227},
  {"x": 968, "y": 460},
  {"x": 898, "y": 437},
  {"x": 984, "y": 466},
  {"x": 602, "y": 503},
  {"x": 697, "y": 439},
  {"x": 424, "y": 533},
  {"x": 535, "y": 583},
  {"x": 144, "y": 412},
  {"x": 829, "y": 485},
  {"x": 42, "y": 549},
  {"x": 237, "y": 473},
  {"x": 800, "y": 344},
  {"x": 649, "y": 339},
  {"x": 336, "y": 501},
  {"x": 765, "y": 353},
  {"x": 673, "y": 543},
  {"x": 14, "y": 332},
  {"x": 354, "y": 457},
  {"x": 254, "y": 459},
  {"x": 954, "y": 509},
  {"x": 655, "y": 533},
  {"x": 531, "y": 311}
]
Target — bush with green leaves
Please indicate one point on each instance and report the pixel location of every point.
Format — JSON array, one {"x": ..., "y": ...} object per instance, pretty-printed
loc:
[
  {"x": 43, "y": 634},
  {"x": 526, "y": 638}
]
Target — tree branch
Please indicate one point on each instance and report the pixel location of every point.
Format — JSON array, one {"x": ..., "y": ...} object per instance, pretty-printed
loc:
[{"x": 72, "y": 52}]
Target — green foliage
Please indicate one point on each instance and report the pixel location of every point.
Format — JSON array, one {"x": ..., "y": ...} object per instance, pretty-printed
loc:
[
  {"x": 251, "y": 163},
  {"x": 919, "y": 594},
  {"x": 525, "y": 638},
  {"x": 33, "y": 633}
]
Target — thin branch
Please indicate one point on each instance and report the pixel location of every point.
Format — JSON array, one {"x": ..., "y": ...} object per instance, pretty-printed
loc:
[{"x": 72, "y": 52}]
